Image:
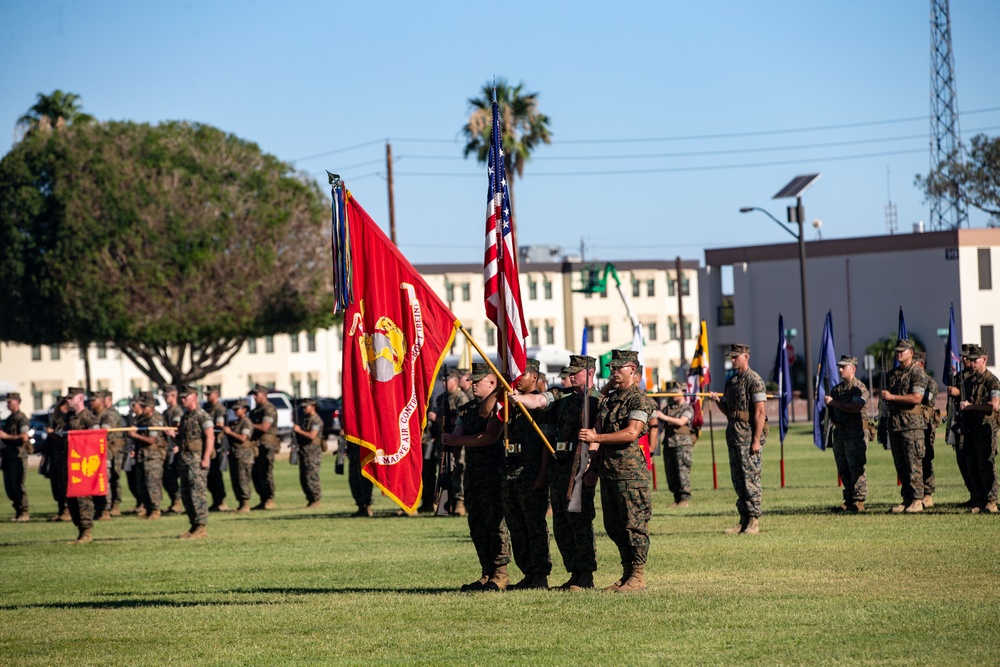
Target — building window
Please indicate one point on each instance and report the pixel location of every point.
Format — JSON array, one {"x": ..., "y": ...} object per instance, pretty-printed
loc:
[
  {"x": 547, "y": 285},
  {"x": 36, "y": 352},
  {"x": 652, "y": 331},
  {"x": 550, "y": 334},
  {"x": 38, "y": 397},
  {"x": 532, "y": 290},
  {"x": 491, "y": 336},
  {"x": 590, "y": 334},
  {"x": 985, "y": 270},
  {"x": 251, "y": 346},
  {"x": 986, "y": 338},
  {"x": 635, "y": 287},
  {"x": 269, "y": 344},
  {"x": 295, "y": 342},
  {"x": 297, "y": 387},
  {"x": 650, "y": 288},
  {"x": 685, "y": 286},
  {"x": 311, "y": 341},
  {"x": 54, "y": 352},
  {"x": 687, "y": 330},
  {"x": 449, "y": 290},
  {"x": 533, "y": 331},
  {"x": 102, "y": 350},
  {"x": 605, "y": 333},
  {"x": 604, "y": 291},
  {"x": 313, "y": 386},
  {"x": 466, "y": 293}
]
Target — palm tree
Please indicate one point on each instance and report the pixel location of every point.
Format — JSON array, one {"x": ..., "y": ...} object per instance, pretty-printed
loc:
[
  {"x": 56, "y": 110},
  {"x": 522, "y": 126}
]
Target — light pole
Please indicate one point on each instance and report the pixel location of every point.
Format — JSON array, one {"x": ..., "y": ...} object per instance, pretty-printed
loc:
[{"x": 797, "y": 214}]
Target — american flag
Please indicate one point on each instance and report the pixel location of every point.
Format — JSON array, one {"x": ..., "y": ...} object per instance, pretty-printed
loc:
[{"x": 500, "y": 270}]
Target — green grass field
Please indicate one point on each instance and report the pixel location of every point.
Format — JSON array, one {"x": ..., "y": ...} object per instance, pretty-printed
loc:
[{"x": 318, "y": 587}]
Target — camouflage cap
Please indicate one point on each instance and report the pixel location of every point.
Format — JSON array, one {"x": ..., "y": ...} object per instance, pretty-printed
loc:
[
  {"x": 479, "y": 371},
  {"x": 565, "y": 372},
  {"x": 846, "y": 360},
  {"x": 455, "y": 374},
  {"x": 73, "y": 391},
  {"x": 674, "y": 387},
  {"x": 579, "y": 362},
  {"x": 919, "y": 355},
  {"x": 186, "y": 391},
  {"x": 241, "y": 404},
  {"x": 531, "y": 366},
  {"x": 212, "y": 388},
  {"x": 975, "y": 351},
  {"x": 258, "y": 389},
  {"x": 13, "y": 396},
  {"x": 146, "y": 400},
  {"x": 99, "y": 395},
  {"x": 904, "y": 344},
  {"x": 169, "y": 389},
  {"x": 738, "y": 348},
  {"x": 620, "y": 358},
  {"x": 966, "y": 346}
]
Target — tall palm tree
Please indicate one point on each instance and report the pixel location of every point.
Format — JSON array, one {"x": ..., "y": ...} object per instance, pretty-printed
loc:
[
  {"x": 523, "y": 127},
  {"x": 56, "y": 110}
]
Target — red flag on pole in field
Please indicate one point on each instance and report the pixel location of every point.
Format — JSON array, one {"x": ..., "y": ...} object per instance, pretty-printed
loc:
[
  {"x": 502, "y": 291},
  {"x": 396, "y": 334},
  {"x": 87, "y": 473}
]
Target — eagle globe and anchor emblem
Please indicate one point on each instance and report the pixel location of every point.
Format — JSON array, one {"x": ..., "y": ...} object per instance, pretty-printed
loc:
[{"x": 384, "y": 354}]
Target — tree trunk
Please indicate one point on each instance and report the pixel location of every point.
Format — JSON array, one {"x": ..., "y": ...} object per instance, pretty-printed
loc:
[{"x": 85, "y": 350}]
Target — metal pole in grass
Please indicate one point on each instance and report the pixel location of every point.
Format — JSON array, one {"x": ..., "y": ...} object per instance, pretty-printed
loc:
[{"x": 711, "y": 440}]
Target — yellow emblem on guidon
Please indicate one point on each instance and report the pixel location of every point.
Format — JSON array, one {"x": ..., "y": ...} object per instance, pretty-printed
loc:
[{"x": 384, "y": 350}]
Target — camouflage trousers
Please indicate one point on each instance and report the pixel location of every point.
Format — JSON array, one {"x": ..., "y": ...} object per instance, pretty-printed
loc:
[
  {"x": 744, "y": 470},
  {"x": 457, "y": 490},
  {"x": 962, "y": 457},
  {"x": 574, "y": 531},
  {"x": 171, "y": 479},
  {"x": 14, "y": 466},
  {"x": 116, "y": 465},
  {"x": 194, "y": 487},
  {"x": 850, "y": 452},
  {"x": 677, "y": 464},
  {"x": 524, "y": 510},
  {"x": 216, "y": 480},
  {"x": 263, "y": 471},
  {"x": 484, "y": 511},
  {"x": 627, "y": 508},
  {"x": 930, "y": 483},
  {"x": 361, "y": 486},
  {"x": 58, "y": 472},
  {"x": 982, "y": 452},
  {"x": 241, "y": 471},
  {"x": 149, "y": 476},
  {"x": 82, "y": 511},
  {"x": 908, "y": 448},
  {"x": 310, "y": 456}
]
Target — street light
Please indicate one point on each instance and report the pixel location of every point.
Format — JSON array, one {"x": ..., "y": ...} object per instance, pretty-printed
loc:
[{"x": 795, "y": 188}]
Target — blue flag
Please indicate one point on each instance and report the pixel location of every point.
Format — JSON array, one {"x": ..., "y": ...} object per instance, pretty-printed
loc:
[
  {"x": 783, "y": 378},
  {"x": 952, "y": 361},
  {"x": 583, "y": 344},
  {"x": 826, "y": 378},
  {"x": 901, "y": 335}
]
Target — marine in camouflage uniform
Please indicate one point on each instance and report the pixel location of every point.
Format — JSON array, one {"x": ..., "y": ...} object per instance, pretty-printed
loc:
[
  {"x": 311, "y": 443},
  {"x": 196, "y": 442},
  {"x": 445, "y": 414},
  {"x": 955, "y": 437},
  {"x": 675, "y": 419},
  {"x": 151, "y": 451},
  {"x": 14, "y": 455},
  {"x": 482, "y": 435},
  {"x": 743, "y": 402},
  {"x": 573, "y": 531},
  {"x": 130, "y": 460},
  {"x": 264, "y": 418},
  {"x": 216, "y": 479},
  {"x": 618, "y": 460},
  {"x": 980, "y": 420},
  {"x": 107, "y": 419},
  {"x": 904, "y": 393},
  {"x": 81, "y": 509},
  {"x": 242, "y": 452},
  {"x": 171, "y": 472},
  {"x": 117, "y": 452},
  {"x": 58, "y": 456},
  {"x": 524, "y": 491},
  {"x": 932, "y": 416},
  {"x": 846, "y": 402}
]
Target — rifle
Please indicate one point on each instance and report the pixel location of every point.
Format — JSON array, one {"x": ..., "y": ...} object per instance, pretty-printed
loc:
[
  {"x": 446, "y": 460},
  {"x": 883, "y": 409},
  {"x": 293, "y": 449},
  {"x": 958, "y": 421},
  {"x": 574, "y": 494}
]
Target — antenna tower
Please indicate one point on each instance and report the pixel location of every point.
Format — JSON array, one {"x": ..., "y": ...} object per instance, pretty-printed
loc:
[
  {"x": 947, "y": 211},
  {"x": 891, "y": 221}
]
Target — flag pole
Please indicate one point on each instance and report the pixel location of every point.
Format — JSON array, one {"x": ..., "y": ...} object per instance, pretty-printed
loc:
[
  {"x": 506, "y": 386},
  {"x": 711, "y": 440}
]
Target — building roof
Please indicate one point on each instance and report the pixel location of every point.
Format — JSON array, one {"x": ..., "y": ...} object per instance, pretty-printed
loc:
[{"x": 556, "y": 267}]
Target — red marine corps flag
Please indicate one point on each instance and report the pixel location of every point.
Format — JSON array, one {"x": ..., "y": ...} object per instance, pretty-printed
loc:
[
  {"x": 87, "y": 469},
  {"x": 396, "y": 334}
]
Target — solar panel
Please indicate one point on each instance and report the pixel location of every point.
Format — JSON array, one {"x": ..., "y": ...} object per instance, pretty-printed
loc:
[{"x": 797, "y": 186}]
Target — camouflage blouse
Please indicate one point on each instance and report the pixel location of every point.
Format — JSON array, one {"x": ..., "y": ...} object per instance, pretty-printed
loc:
[
  {"x": 110, "y": 418},
  {"x": 472, "y": 423},
  {"x": 159, "y": 441},
  {"x": 623, "y": 462},
  {"x": 191, "y": 432},
  {"x": 677, "y": 436},
  {"x": 742, "y": 393},
  {"x": 902, "y": 382},
  {"x": 980, "y": 389},
  {"x": 849, "y": 423},
  {"x": 17, "y": 424}
]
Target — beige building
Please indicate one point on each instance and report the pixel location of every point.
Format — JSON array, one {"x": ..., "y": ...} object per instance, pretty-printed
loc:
[{"x": 309, "y": 364}]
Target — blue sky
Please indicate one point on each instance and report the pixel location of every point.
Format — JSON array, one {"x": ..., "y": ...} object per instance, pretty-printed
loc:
[{"x": 308, "y": 78}]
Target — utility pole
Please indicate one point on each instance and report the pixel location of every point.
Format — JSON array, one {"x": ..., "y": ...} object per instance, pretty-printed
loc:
[
  {"x": 680, "y": 311},
  {"x": 392, "y": 203}
]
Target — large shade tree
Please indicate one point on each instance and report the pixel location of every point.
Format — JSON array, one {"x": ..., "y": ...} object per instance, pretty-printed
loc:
[
  {"x": 174, "y": 242},
  {"x": 522, "y": 125}
]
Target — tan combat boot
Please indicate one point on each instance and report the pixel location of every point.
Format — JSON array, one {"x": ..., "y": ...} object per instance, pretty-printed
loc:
[
  {"x": 64, "y": 516},
  {"x": 176, "y": 507},
  {"x": 476, "y": 585},
  {"x": 573, "y": 578},
  {"x": 857, "y": 507},
  {"x": 498, "y": 580},
  {"x": 199, "y": 532},
  {"x": 269, "y": 504},
  {"x": 314, "y": 505},
  {"x": 898, "y": 509},
  {"x": 84, "y": 537},
  {"x": 185, "y": 536},
  {"x": 244, "y": 507},
  {"x": 753, "y": 526},
  {"x": 626, "y": 573},
  {"x": 990, "y": 508},
  {"x": 222, "y": 507},
  {"x": 140, "y": 512},
  {"x": 636, "y": 582},
  {"x": 584, "y": 581},
  {"x": 22, "y": 517},
  {"x": 116, "y": 509},
  {"x": 105, "y": 516},
  {"x": 915, "y": 507},
  {"x": 682, "y": 503},
  {"x": 154, "y": 515},
  {"x": 740, "y": 527},
  {"x": 928, "y": 501},
  {"x": 459, "y": 508}
]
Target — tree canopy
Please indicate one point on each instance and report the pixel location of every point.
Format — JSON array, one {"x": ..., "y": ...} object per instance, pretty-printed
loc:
[
  {"x": 175, "y": 242},
  {"x": 55, "y": 110},
  {"x": 975, "y": 179}
]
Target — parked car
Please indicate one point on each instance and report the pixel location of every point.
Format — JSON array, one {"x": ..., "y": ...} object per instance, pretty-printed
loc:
[
  {"x": 282, "y": 403},
  {"x": 328, "y": 410},
  {"x": 122, "y": 405},
  {"x": 39, "y": 422}
]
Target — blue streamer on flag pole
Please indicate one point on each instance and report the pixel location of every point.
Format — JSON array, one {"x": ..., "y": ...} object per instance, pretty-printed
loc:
[
  {"x": 783, "y": 378},
  {"x": 583, "y": 343},
  {"x": 901, "y": 335},
  {"x": 952, "y": 361},
  {"x": 826, "y": 378}
]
